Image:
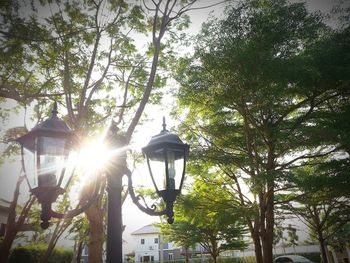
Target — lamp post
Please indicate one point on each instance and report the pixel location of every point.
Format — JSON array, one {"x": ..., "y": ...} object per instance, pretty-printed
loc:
[{"x": 45, "y": 151}]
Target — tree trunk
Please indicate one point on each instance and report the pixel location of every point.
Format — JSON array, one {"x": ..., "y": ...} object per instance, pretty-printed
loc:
[
  {"x": 186, "y": 255},
  {"x": 94, "y": 214},
  {"x": 323, "y": 250},
  {"x": 95, "y": 245},
  {"x": 334, "y": 255},
  {"x": 348, "y": 252},
  {"x": 10, "y": 235},
  {"x": 329, "y": 258},
  {"x": 214, "y": 250},
  {"x": 267, "y": 238},
  {"x": 79, "y": 250},
  {"x": 257, "y": 247},
  {"x": 48, "y": 251}
]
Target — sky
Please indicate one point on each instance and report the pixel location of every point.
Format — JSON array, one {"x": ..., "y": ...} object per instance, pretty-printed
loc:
[{"x": 133, "y": 218}]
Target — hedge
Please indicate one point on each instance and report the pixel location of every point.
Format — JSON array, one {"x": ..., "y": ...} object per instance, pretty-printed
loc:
[{"x": 32, "y": 254}]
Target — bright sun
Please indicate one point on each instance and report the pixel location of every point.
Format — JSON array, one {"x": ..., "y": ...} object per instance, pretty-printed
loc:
[{"x": 93, "y": 156}]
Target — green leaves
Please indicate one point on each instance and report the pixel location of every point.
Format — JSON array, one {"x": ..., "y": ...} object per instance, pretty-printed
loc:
[
  {"x": 207, "y": 215},
  {"x": 254, "y": 92},
  {"x": 261, "y": 104},
  {"x": 12, "y": 147}
]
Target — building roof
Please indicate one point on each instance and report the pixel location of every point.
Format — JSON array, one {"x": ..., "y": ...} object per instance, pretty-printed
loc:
[{"x": 149, "y": 229}]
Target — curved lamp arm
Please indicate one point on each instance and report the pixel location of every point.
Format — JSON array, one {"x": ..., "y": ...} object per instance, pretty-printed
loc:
[
  {"x": 47, "y": 213},
  {"x": 146, "y": 209}
]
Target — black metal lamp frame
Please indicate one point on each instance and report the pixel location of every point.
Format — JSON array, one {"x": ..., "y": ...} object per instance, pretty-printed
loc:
[
  {"x": 52, "y": 127},
  {"x": 165, "y": 140}
]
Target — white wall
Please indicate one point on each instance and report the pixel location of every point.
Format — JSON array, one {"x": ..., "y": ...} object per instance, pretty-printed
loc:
[{"x": 149, "y": 248}]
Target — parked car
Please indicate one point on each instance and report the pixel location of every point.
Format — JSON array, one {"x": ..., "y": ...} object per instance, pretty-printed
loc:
[{"x": 291, "y": 259}]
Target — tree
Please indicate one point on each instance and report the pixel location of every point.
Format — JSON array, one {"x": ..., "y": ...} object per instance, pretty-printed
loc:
[
  {"x": 250, "y": 93},
  {"x": 323, "y": 216},
  {"x": 182, "y": 233},
  {"x": 203, "y": 217},
  {"x": 330, "y": 175},
  {"x": 340, "y": 240}
]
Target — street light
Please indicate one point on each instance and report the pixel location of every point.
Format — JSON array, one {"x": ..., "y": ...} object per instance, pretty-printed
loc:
[
  {"x": 45, "y": 150},
  {"x": 166, "y": 158}
]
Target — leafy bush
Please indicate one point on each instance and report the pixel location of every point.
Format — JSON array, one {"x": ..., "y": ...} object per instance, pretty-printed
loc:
[{"x": 32, "y": 254}]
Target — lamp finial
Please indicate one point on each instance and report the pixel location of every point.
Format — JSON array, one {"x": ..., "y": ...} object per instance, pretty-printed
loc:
[
  {"x": 164, "y": 124},
  {"x": 54, "y": 110}
]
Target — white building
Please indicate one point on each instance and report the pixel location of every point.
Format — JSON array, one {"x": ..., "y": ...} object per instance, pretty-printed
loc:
[{"x": 149, "y": 245}]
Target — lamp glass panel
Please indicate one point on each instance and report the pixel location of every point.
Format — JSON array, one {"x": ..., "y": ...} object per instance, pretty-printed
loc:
[
  {"x": 175, "y": 167},
  {"x": 51, "y": 159},
  {"x": 157, "y": 166},
  {"x": 69, "y": 169},
  {"x": 30, "y": 168}
]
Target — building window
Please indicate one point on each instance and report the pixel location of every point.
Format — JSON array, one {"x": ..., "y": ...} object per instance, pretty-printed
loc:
[
  {"x": 142, "y": 241},
  {"x": 156, "y": 240},
  {"x": 170, "y": 256}
]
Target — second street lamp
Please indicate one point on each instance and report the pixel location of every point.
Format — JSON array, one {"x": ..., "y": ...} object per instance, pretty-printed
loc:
[{"x": 166, "y": 158}]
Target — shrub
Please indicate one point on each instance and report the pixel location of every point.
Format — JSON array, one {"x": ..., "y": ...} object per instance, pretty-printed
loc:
[{"x": 33, "y": 252}]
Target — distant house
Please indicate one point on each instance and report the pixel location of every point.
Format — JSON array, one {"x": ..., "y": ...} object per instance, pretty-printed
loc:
[
  {"x": 150, "y": 246},
  {"x": 4, "y": 211}
]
